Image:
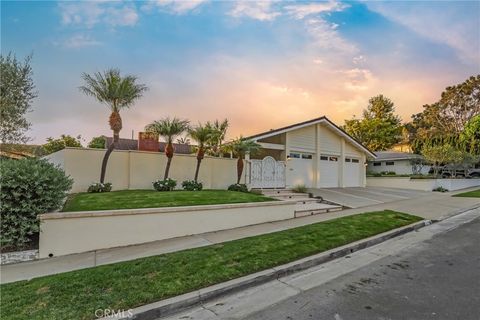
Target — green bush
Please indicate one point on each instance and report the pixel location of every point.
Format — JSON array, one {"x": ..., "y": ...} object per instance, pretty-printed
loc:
[
  {"x": 238, "y": 187},
  {"x": 29, "y": 187},
  {"x": 192, "y": 185},
  {"x": 388, "y": 173},
  {"x": 300, "y": 188},
  {"x": 440, "y": 189},
  {"x": 98, "y": 187},
  {"x": 165, "y": 185}
]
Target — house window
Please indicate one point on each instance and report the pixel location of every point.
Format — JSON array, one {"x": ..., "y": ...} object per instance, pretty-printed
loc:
[
  {"x": 324, "y": 158},
  {"x": 348, "y": 160},
  {"x": 355, "y": 160},
  {"x": 377, "y": 164},
  {"x": 295, "y": 155},
  {"x": 306, "y": 156},
  {"x": 390, "y": 163},
  {"x": 333, "y": 159}
]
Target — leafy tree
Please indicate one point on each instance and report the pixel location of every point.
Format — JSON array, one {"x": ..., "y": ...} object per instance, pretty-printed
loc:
[
  {"x": 438, "y": 154},
  {"x": 471, "y": 135},
  {"x": 169, "y": 129},
  {"x": 218, "y": 130},
  {"x": 239, "y": 147},
  {"x": 118, "y": 93},
  {"x": 97, "y": 142},
  {"x": 54, "y": 145},
  {"x": 17, "y": 92},
  {"x": 379, "y": 128},
  {"x": 202, "y": 134}
]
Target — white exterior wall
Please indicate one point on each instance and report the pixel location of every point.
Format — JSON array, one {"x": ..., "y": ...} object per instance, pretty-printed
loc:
[
  {"x": 75, "y": 232},
  {"x": 399, "y": 167},
  {"x": 421, "y": 184},
  {"x": 302, "y": 139}
]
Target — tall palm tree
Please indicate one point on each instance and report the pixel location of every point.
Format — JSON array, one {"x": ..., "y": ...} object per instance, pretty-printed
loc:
[
  {"x": 169, "y": 129},
  {"x": 118, "y": 93},
  {"x": 219, "y": 130},
  {"x": 239, "y": 147},
  {"x": 202, "y": 134}
]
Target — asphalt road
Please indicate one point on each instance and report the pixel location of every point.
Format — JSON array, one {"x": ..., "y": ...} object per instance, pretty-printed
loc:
[{"x": 439, "y": 279}]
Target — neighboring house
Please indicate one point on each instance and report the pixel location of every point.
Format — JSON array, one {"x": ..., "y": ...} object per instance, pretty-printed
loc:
[
  {"x": 20, "y": 151},
  {"x": 398, "y": 162},
  {"x": 314, "y": 153},
  {"x": 132, "y": 144}
]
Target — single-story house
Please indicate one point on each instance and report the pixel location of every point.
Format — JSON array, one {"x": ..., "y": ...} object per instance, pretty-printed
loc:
[
  {"x": 398, "y": 162},
  {"x": 315, "y": 153}
]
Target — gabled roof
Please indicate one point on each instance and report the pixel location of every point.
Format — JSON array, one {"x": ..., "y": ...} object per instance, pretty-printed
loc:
[
  {"x": 394, "y": 155},
  {"x": 323, "y": 120}
]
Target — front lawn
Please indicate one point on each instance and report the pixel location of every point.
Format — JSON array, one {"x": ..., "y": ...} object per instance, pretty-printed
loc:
[
  {"x": 470, "y": 194},
  {"x": 124, "y": 285},
  {"x": 132, "y": 199}
]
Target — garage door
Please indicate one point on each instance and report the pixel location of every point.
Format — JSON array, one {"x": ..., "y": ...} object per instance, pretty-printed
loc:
[
  {"x": 300, "y": 169},
  {"x": 352, "y": 172},
  {"x": 328, "y": 171}
]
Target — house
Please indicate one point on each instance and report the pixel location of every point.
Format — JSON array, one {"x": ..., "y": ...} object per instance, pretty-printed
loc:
[
  {"x": 398, "y": 162},
  {"x": 315, "y": 153}
]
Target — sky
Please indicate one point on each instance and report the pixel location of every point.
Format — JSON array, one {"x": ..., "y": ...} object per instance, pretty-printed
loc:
[{"x": 261, "y": 65}]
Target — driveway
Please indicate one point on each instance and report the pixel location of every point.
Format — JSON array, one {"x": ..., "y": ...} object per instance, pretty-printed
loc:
[{"x": 361, "y": 197}]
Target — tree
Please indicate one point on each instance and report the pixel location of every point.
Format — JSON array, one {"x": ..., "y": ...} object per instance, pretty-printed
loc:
[
  {"x": 54, "y": 145},
  {"x": 183, "y": 140},
  {"x": 118, "y": 93},
  {"x": 219, "y": 130},
  {"x": 202, "y": 134},
  {"x": 240, "y": 147},
  {"x": 97, "y": 142},
  {"x": 380, "y": 128},
  {"x": 17, "y": 92},
  {"x": 438, "y": 154},
  {"x": 169, "y": 129},
  {"x": 471, "y": 135}
]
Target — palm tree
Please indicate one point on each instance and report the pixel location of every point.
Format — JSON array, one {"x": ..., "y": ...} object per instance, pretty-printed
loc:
[
  {"x": 117, "y": 93},
  {"x": 183, "y": 140},
  {"x": 202, "y": 134},
  {"x": 219, "y": 130},
  {"x": 239, "y": 147},
  {"x": 169, "y": 129}
]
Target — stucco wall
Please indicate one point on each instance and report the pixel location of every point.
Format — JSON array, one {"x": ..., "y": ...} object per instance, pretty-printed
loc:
[
  {"x": 137, "y": 169},
  {"x": 74, "y": 232},
  {"x": 399, "y": 167},
  {"x": 421, "y": 184}
]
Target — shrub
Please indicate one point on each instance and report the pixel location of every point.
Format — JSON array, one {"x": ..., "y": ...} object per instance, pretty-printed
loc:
[
  {"x": 97, "y": 187},
  {"x": 300, "y": 188},
  {"x": 238, "y": 187},
  {"x": 440, "y": 189},
  {"x": 192, "y": 185},
  {"x": 29, "y": 187},
  {"x": 388, "y": 173},
  {"x": 165, "y": 185}
]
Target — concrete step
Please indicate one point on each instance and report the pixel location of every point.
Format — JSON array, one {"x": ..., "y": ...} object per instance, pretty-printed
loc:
[
  {"x": 309, "y": 209},
  {"x": 273, "y": 191},
  {"x": 287, "y": 196},
  {"x": 307, "y": 200}
]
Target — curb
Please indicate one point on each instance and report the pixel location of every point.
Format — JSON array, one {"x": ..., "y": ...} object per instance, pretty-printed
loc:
[{"x": 185, "y": 301}]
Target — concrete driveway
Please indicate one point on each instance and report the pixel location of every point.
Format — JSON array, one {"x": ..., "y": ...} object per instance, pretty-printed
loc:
[{"x": 361, "y": 197}]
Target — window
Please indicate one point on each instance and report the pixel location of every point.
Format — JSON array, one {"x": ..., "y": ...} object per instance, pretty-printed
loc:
[
  {"x": 306, "y": 156},
  {"x": 355, "y": 161},
  {"x": 324, "y": 158},
  {"x": 377, "y": 164},
  {"x": 295, "y": 155},
  {"x": 333, "y": 159},
  {"x": 390, "y": 163},
  {"x": 348, "y": 160}
]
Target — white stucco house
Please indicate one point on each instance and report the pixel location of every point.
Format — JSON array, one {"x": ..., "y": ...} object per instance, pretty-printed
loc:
[
  {"x": 315, "y": 153},
  {"x": 398, "y": 162}
]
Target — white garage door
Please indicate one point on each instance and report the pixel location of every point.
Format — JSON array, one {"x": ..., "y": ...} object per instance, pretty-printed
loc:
[
  {"x": 329, "y": 171},
  {"x": 352, "y": 172},
  {"x": 300, "y": 169}
]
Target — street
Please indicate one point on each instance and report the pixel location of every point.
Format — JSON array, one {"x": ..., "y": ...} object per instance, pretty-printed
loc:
[{"x": 439, "y": 279}]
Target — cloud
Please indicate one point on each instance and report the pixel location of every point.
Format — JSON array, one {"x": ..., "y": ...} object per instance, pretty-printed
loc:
[
  {"x": 259, "y": 10},
  {"x": 80, "y": 41},
  {"x": 174, "y": 6},
  {"x": 91, "y": 13},
  {"x": 300, "y": 11},
  {"x": 326, "y": 36},
  {"x": 456, "y": 24},
  {"x": 358, "y": 79}
]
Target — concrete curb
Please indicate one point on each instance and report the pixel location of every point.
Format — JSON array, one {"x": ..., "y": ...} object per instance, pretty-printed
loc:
[{"x": 185, "y": 301}]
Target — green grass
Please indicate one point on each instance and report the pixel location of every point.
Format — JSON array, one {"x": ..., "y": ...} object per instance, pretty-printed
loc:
[
  {"x": 124, "y": 285},
  {"x": 470, "y": 194},
  {"x": 131, "y": 199}
]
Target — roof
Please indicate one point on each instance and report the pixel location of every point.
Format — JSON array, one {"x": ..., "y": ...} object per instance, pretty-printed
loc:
[
  {"x": 299, "y": 125},
  {"x": 132, "y": 144},
  {"x": 393, "y": 155}
]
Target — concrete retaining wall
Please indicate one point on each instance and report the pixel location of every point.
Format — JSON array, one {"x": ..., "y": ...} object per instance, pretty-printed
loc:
[
  {"x": 421, "y": 184},
  {"x": 73, "y": 232}
]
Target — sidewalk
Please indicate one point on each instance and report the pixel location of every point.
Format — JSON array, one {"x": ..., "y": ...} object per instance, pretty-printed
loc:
[{"x": 434, "y": 206}]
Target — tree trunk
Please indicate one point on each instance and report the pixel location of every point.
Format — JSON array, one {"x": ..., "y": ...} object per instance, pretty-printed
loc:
[
  {"x": 200, "y": 155},
  {"x": 169, "y": 153},
  {"x": 239, "y": 169},
  {"x": 167, "y": 168},
  {"x": 116, "y": 137}
]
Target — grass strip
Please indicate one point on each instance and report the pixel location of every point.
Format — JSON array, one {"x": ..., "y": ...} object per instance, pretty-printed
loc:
[
  {"x": 470, "y": 194},
  {"x": 124, "y": 285},
  {"x": 134, "y": 199}
]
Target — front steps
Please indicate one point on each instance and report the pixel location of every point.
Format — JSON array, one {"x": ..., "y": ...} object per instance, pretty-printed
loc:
[{"x": 306, "y": 205}]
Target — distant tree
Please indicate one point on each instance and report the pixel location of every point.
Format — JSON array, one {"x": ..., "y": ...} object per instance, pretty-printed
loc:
[
  {"x": 17, "y": 92},
  {"x": 54, "y": 145},
  {"x": 240, "y": 147},
  {"x": 169, "y": 129},
  {"x": 218, "y": 132},
  {"x": 438, "y": 154},
  {"x": 202, "y": 134},
  {"x": 97, "y": 142},
  {"x": 380, "y": 128},
  {"x": 118, "y": 93}
]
